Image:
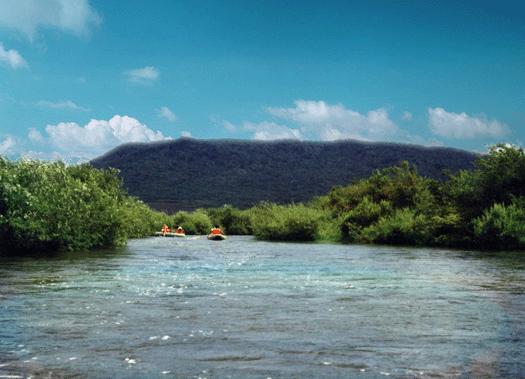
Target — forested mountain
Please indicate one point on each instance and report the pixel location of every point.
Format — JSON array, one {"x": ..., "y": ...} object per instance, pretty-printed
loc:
[{"x": 188, "y": 173}]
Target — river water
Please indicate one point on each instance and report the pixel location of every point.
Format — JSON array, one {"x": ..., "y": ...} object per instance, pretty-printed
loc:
[{"x": 240, "y": 308}]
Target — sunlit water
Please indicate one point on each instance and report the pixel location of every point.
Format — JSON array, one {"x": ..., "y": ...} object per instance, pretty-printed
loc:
[{"x": 240, "y": 308}]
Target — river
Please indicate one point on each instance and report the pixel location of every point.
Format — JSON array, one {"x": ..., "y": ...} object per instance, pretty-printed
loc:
[{"x": 240, "y": 308}]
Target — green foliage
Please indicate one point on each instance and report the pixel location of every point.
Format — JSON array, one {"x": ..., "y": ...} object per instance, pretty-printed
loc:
[
  {"x": 362, "y": 215},
  {"x": 329, "y": 229},
  {"x": 233, "y": 221},
  {"x": 48, "y": 206},
  {"x": 502, "y": 226},
  {"x": 196, "y": 222},
  {"x": 498, "y": 177},
  {"x": 482, "y": 208},
  {"x": 403, "y": 227},
  {"x": 285, "y": 222},
  {"x": 139, "y": 220}
]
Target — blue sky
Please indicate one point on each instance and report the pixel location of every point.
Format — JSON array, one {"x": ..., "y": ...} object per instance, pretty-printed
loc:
[{"x": 79, "y": 77}]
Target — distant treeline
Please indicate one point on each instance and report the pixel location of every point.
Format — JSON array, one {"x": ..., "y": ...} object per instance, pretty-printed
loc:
[
  {"x": 188, "y": 174},
  {"x": 47, "y": 206}
]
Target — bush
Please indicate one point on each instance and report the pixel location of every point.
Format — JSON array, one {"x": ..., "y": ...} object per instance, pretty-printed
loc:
[
  {"x": 502, "y": 226},
  {"x": 233, "y": 221},
  {"x": 362, "y": 215},
  {"x": 285, "y": 223},
  {"x": 196, "y": 222},
  {"x": 139, "y": 220},
  {"x": 50, "y": 206},
  {"x": 403, "y": 227}
]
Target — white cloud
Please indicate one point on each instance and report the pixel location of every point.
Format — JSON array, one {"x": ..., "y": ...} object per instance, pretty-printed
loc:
[
  {"x": 144, "y": 75},
  {"x": 97, "y": 136},
  {"x": 11, "y": 57},
  {"x": 65, "y": 104},
  {"x": 319, "y": 120},
  {"x": 167, "y": 114},
  {"x": 271, "y": 131},
  {"x": 185, "y": 134},
  {"x": 407, "y": 116},
  {"x": 35, "y": 136},
  {"x": 463, "y": 126},
  {"x": 229, "y": 126},
  {"x": 6, "y": 145},
  {"x": 27, "y": 16}
]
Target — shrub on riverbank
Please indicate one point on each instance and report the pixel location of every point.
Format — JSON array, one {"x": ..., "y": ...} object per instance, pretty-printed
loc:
[
  {"x": 233, "y": 221},
  {"x": 196, "y": 222},
  {"x": 285, "y": 222},
  {"x": 502, "y": 226},
  {"x": 141, "y": 221},
  {"x": 480, "y": 208},
  {"x": 46, "y": 206},
  {"x": 50, "y": 206}
]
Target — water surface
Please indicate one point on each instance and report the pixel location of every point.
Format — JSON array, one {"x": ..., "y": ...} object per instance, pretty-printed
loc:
[{"x": 240, "y": 308}]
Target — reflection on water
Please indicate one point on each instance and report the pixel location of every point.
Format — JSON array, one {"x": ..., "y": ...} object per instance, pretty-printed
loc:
[{"x": 241, "y": 308}]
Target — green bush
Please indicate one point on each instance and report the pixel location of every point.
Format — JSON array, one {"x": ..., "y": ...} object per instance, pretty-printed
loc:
[
  {"x": 196, "y": 222},
  {"x": 403, "y": 227},
  {"x": 329, "y": 229},
  {"x": 233, "y": 221},
  {"x": 362, "y": 215},
  {"x": 285, "y": 222},
  {"x": 50, "y": 206},
  {"x": 139, "y": 220},
  {"x": 502, "y": 226}
]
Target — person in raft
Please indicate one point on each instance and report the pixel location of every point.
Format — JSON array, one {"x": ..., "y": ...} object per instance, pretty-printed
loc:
[
  {"x": 180, "y": 230},
  {"x": 215, "y": 231},
  {"x": 165, "y": 229}
]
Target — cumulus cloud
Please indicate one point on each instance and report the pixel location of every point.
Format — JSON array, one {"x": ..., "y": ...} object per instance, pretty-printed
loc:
[
  {"x": 144, "y": 75},
  {"x": 167, "y": 114},
  {"x": 319, "y": 120},
  {"x": 65, "y": 104},
  {"x": 97, "y": 136},
  {"x": 27, "y": 16},
  {"x": 6, "y": 145},
  {"x": 185, "y": 134},
  {"x": 407, "y": 116},
  {"x": 11, "y": 57},
  {"x": 271, "y": 131},
  {"x": 463, "y": 126},
  {"x": 229, "y": 126},
  {"x": 35, "y": 136}
]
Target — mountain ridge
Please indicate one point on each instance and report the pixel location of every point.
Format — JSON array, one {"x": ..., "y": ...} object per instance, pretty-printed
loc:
[{"x": 188, "y": 173}]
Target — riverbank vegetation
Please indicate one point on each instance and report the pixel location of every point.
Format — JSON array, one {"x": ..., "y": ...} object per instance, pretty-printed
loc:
[
  {"x": 47, "y": 206},
  {"x": 51, "y": 206},
  {"x": 480, "y": 208}
]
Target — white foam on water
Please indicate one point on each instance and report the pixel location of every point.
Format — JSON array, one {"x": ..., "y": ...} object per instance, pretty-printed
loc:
[
  {"x": 73, "y": 358},
  {"x": 327, "y": 363},
  {"x": 165, "y": 372},
  {"x": 165, "y": 338}
]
